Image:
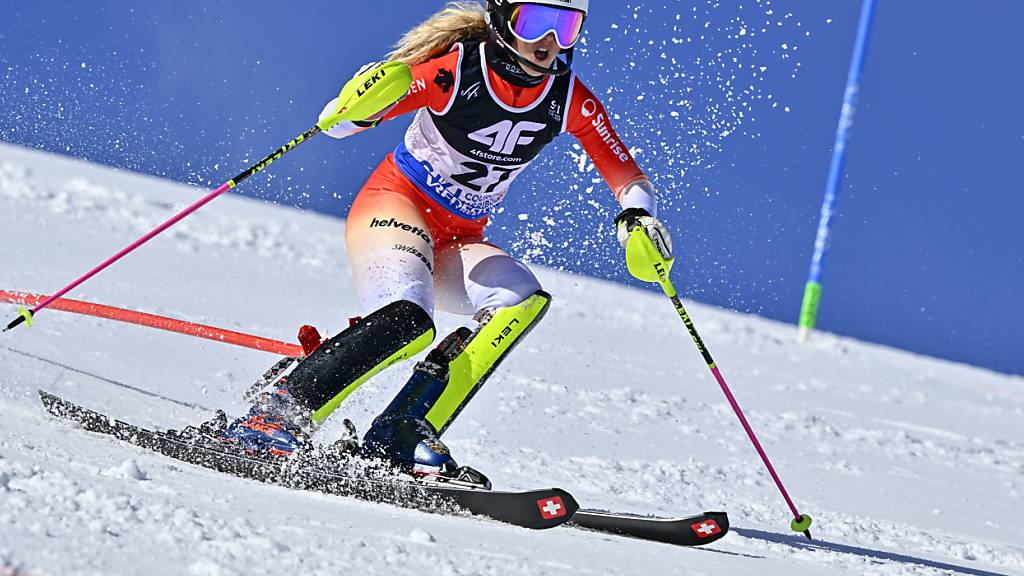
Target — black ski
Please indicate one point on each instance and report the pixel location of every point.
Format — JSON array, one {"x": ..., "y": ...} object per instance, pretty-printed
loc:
[
  {"x": 690, "y": 531},
  {"x": 536, "y": 509}
]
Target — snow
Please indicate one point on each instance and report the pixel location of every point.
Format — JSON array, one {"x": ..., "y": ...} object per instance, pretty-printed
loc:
[{"x": 909, "y": 465}]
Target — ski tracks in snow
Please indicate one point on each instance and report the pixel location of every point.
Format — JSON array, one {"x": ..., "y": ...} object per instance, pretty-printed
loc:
[{"x": 909, "y": 465}]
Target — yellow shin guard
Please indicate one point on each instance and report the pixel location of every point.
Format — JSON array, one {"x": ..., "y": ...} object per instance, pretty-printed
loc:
[{"x": 499, "y": 331}]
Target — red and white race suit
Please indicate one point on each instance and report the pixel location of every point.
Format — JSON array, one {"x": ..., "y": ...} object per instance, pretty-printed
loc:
[{"x": 415, "y": 230}]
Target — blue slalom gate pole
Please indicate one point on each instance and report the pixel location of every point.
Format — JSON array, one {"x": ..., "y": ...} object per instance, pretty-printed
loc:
[{"x": 812, "y": 291}]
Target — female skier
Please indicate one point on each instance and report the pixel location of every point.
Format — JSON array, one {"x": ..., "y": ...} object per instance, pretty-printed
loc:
[{"x": 491, "y": 87}]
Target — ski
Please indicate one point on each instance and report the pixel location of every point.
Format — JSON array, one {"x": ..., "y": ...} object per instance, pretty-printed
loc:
[
  {"x": 536, "y": 509},
  {"x": 690, "y": 531}
]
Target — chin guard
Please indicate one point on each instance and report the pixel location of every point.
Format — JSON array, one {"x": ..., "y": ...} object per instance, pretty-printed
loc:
[{"x": 559, "y": 68}]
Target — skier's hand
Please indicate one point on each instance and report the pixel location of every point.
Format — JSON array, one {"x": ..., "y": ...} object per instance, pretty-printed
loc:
[
  {"x": 647, "y": 243},
  {"x": 631, "y": 218},
  {"x": 376, "y": 118},
  {"x": 369, "y": 66},
  {"x": 349, "y": 127}
]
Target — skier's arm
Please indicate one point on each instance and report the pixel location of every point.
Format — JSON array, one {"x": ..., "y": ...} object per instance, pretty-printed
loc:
[
  {"x": 432, "y": 85},
  {"x": 588, "y": 121}
]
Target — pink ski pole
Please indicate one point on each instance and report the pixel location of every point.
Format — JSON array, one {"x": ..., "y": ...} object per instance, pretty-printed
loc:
[
  {"x": 26, "y": 315},
  {"x": 367, "y": 94},
  {"x": 646, "y": 263}
]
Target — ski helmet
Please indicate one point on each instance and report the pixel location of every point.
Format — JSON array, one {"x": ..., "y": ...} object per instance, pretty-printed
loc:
[{"x": 530, "y": 21}]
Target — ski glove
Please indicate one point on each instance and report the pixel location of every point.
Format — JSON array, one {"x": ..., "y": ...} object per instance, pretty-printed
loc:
[
  {"x": 348, "y": 128},
  {"x": 632, "y": 217},
  {"x": 376, "y": 118}
]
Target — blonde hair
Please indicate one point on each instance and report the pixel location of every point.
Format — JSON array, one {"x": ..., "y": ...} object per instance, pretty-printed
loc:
[{"x": 456, "y": 22}]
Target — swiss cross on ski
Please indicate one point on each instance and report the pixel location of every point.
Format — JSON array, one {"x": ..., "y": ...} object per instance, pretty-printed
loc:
[
  {"x": 706, "y": 529},
  {"x": 551, "y": 508}
]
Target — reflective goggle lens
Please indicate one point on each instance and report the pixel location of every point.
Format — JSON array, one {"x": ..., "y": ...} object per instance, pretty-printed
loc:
[{"x": 531, "y": 22}]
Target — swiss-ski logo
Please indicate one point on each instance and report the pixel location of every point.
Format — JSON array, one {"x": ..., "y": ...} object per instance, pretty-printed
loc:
[
  {"x": 551, "y": 507},
  {"x": 706, "y": 529}
]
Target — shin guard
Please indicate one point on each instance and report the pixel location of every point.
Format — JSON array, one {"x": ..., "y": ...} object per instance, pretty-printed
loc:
[
  {"x": 340, "y": 365},
  {"x": 499, "y": 331}
]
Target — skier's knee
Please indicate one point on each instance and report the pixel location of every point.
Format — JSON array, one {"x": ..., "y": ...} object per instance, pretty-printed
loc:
[
  {"x": 507, "y": 297},
  {"x": 413, "y": 314},
  {"x": 383, "y": 294},
  {"x": 501, "y": 282},
  {"x": 526, "y": 311},
  {"x": 398, "y": 321},
  {"x": 404, "y": 327}
]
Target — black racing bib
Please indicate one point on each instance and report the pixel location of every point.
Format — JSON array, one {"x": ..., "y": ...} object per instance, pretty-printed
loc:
[{"x": 466, "y": 157}]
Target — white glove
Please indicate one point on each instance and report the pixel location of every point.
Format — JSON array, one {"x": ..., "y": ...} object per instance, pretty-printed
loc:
[
  {"x": 631, "y": 218},
  {"x": 369, "y": 66}
]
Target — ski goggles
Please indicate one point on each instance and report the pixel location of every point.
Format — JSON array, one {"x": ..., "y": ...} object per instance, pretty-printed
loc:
[{"x": 531, "y": 22}]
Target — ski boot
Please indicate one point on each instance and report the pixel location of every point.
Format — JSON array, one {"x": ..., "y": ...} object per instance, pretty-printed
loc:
[
  {"x": 296, "y": 395},
  {"x": 407, "y": 432},
  {"x": 275, "y": 425},
  {"x": 402, "y": 436},
  {"x": 412, "y": 445}
]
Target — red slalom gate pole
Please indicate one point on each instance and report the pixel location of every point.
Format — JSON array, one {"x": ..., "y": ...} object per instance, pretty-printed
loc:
[{"x": 158, "y": 322}]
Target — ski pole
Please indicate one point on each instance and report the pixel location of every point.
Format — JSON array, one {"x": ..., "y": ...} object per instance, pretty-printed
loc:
[
  {"x": 26, "y": 315},
  {"x": 366, "y": 94},
  {"x": 646, "y": 263}
]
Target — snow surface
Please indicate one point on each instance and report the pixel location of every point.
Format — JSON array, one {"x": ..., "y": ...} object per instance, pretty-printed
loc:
[{"x": 909, "y": 465}]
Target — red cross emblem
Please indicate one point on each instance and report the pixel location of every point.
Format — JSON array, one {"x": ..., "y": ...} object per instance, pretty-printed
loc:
[
  {"x": 551, "y": 507},
  {"x": 706, "y": 528}
]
